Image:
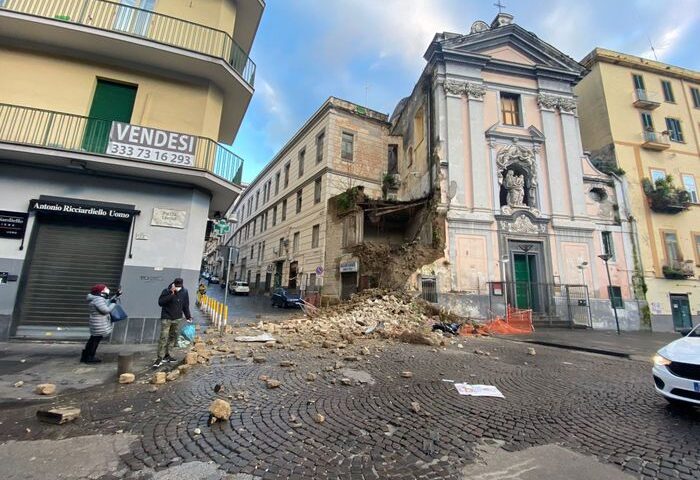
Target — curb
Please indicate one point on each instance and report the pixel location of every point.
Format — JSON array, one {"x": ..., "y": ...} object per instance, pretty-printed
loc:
[{"x": 599, "y": 351}]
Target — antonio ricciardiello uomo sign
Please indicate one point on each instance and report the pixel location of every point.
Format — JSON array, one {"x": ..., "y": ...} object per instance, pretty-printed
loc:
[{"x": 151, "y": 144}]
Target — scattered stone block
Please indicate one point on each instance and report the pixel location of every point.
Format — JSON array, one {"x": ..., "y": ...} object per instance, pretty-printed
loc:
[
  {"x": 345, "y": 381},
  {"x": 407, "y": 374},
  {"x": 46, "y": 389},
  {"x": 183, "y": 369},
  {"x": 272, "y": 383},
  {"x": 158, "y": 378},
  {"x": 191, "y": 358},
  {"x": 220, "y": 409},
  {"x": 173, "y": 375},
  {"x": 318, "y": 418},
  {"x": 19, "y": 384},
  {"x": 531, "y": 351},
  {"x": 287, "y": 363},
  {"x": 58, "y": 415},
  {"x": 310, "y": 377},
  {"x": 415, "y": 407},
  {"x": 259, "y": 359}
]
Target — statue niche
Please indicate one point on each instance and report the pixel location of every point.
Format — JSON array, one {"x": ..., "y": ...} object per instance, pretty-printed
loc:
[{"x": 517, "y": 177}]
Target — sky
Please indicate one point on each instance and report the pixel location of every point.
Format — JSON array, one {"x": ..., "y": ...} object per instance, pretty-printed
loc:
[{"x": 371, "y": 51}]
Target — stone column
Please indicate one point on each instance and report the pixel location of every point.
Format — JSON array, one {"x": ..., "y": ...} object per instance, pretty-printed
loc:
[
  {"x": 556, "y": 165},
  {"x": 477, "y": 151},
  {"x": 455, "y": 139},
  {"x": 571, "y": 135}
]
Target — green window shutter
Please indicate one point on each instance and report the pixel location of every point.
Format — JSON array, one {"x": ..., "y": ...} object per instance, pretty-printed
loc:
[{"x": 111, "y": 102}]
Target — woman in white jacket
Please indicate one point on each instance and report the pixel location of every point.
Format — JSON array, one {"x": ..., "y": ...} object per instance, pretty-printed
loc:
[{"x": 101, "y": 305}]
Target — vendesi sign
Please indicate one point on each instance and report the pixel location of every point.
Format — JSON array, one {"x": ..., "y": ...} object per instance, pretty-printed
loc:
[
  {"x": 151, "y": 144},
  {"x": 78, "y": 210}
]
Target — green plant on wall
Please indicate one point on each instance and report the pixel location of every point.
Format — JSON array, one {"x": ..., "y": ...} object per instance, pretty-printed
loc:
[
  {"x": 664, "y": 196},
  {"x": 347, "y": 199}
]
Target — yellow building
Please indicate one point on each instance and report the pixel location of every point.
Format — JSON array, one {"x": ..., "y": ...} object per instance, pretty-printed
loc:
[
  {"x": 641, "y": 119},
  {"x": 113, "y": 120}
]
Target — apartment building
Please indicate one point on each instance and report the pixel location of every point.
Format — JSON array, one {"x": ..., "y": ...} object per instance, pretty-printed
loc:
[
  {"x": 281, "y": 233},
  {"x": 113, "y": 121},
  {"x": 641, "y": 120}
]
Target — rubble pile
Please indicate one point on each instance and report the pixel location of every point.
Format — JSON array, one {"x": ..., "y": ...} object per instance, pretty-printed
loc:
[{"x": 373, "y": 312}]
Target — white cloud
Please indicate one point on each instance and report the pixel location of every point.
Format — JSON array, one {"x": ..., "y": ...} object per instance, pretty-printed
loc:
[
  {"x": 672, "y": 30},
  {"x": 279, "y": 116}
]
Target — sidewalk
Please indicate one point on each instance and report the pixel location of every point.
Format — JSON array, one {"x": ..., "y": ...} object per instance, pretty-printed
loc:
[{"x": 635, "y": 345}]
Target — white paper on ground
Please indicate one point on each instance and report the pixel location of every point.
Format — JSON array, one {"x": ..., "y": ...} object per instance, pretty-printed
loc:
[
  {"x": 478, "y": 390},
  {"x": 263, "y": 337}
]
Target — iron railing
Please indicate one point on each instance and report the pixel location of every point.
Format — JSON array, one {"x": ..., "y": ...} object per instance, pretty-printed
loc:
[
  {"x": 655, "y": 137},
  {"x": 146, "y": 24},
  {"x": 75, "y": 133},
  {"x": 642, "y": 95}
]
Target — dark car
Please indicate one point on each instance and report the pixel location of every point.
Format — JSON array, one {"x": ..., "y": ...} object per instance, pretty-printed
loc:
[{"x": 283, "y": 299}]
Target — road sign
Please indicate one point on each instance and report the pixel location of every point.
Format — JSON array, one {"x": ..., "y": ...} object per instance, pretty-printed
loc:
[
  {"x": 222, "y": 227},
  {"x": 319, "y": 270}
]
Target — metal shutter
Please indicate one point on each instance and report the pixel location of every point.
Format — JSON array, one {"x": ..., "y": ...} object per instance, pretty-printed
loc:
[{"x": 69, "y": 257}]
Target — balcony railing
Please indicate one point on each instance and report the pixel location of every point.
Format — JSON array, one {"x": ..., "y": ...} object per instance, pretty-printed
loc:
[
  {"x": 655, "y": 140},
  {"x": 146, "y": 24},
  {"x": 74, "y": 133},
  {"x": 678, "y": 270},
  {"x": 646, "y": 100}
]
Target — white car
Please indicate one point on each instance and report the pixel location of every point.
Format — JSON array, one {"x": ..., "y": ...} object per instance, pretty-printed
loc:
[
  {"x": 239, "y": 288},
  {"x": 677, "y": 369}
]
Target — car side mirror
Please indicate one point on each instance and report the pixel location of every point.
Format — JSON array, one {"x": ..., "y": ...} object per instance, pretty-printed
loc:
[{"x": 685, "y": 331}]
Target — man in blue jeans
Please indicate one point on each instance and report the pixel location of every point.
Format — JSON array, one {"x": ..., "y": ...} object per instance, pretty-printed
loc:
[{"x": 174, "y": 302}]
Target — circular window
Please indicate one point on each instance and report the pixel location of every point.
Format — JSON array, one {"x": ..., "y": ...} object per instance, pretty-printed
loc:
[{"x": 598, "y": 194}]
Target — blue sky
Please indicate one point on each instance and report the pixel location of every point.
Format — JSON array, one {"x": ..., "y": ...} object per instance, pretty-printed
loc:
[{"x": 371, "y": 51}]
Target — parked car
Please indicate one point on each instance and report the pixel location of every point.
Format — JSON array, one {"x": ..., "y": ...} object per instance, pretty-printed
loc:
[
  {"x": 677, "y": 369},
  {"x": 213, "y": 279},
  {"x": 283, "y": 299},
  {"x": 238, "y": 288}
]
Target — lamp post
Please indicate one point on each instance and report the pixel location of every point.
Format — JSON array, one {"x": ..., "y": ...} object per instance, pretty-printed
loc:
[
  {"x": 582, "y": 266},
  {"x": 605, "y": 257},
  {"x": 504, "y": 261}
]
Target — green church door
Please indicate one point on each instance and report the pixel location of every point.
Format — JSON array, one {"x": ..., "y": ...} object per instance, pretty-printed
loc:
[
  {"x": 525, "y": 274},
  {"x": 112, "y": 102}
]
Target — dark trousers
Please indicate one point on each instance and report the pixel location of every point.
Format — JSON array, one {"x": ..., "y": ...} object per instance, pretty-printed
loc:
[{"x": 91, "y": 347}]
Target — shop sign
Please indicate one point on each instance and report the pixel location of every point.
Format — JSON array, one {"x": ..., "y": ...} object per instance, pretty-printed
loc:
[
  {"x": 151, "y": 144},
  {"x": 349, "y": 266},
  {"x": 166, "y": 217},
  {"x": 12, "y": 224},
  {"x": 497, "y": 289},
  {"x": 78, "y": 210}
]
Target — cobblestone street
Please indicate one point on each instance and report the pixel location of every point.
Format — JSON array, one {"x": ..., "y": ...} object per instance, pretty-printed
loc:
[{"x": 589, "y": 404}]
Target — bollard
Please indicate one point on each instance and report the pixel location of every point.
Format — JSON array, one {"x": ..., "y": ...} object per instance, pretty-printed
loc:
[{"x": 125, "y": 362}]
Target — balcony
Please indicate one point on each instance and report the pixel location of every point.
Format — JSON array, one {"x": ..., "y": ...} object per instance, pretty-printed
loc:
[
  {"x": 144, "y": 39},
  {"x": 46, "y": 137},
  {"x": 646, "y": 100},
  {"x": 679, "y": 270},
  {"x": 655, "y": 140}
]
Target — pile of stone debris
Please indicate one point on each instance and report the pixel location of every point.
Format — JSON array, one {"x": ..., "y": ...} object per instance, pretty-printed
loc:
[{"x": 371, "y": 313}]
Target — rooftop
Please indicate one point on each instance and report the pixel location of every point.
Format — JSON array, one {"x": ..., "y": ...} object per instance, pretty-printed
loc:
[{"x": 632, "y": 61}]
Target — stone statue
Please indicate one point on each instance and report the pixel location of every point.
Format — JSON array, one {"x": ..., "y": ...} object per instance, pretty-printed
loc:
[{"x": 515, "y": 184}]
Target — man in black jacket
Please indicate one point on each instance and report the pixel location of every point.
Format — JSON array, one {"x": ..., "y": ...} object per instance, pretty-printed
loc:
[{"x": 175, "y": 301}]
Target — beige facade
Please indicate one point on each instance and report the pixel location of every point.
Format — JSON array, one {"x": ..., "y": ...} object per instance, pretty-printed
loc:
[
  {"x": 641, "y": 119},
  {"x": 293, "y": 248}
]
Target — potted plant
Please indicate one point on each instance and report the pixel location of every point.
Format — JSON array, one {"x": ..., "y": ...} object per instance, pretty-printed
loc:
[{"x": 664, "y": 196}]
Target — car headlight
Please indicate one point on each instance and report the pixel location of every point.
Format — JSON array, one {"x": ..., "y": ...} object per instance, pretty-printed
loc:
[{"x": 661, "y": 360}]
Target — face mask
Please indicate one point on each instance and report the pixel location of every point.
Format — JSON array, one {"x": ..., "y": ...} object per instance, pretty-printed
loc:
[{"x": 177, "y": 289}]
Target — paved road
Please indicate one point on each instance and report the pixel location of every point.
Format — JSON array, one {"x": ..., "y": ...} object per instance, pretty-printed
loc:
[
  {"x": 565, "y": 415},
  {"x": 246, "y": 309}
]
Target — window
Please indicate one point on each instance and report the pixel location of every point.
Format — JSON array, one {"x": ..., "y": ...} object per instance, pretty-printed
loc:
[
  {"x": 510, "y": 109},
  {"x": 615, "y": 296},
  {"x": 638, "y": 82},
  {"x": 286, "y": 175},
  {"x": 668, "y": 91},
  {"x": 418, "y": 130},
  {"x": 252, "y": 250},
  {"x": 690, "y": 187},
  {"x": 393, "y": 159},
  {"x": 259, "y": 252},
  {"x": 319, "y": 146},
  {"x": 315, "y": 232},
  {"x": 346, "y": 147},
  {"x": 647, "y": 122},
  {"x": 257, "y": 199},
  {"x": 608, "y": 245},
  {"x": 317, "y": 191},
  {"x": 284, "y": 210},
  {"x": 673, "y": 125},
  {"x": 255, "y": 221},
  {"x": 657, "y": 175},
  {"x": 264, "y": 222},
  {"x": 695, "y": 93},
  {"x": 673, "y": 254},
  {"x": 299, "y": 201},
  {"x": 277, "y": 183},
  {"x": 312, "y": 280},
  {"x": 295, "y": 243},
  {"x": 262, "y": 252},
  {"x": 281, "y": 246},
  {"x": 302, "y": 154},
  {"x": 264, "y": 192},
  {"x": 242, "y": 212},
  {"x": 274, "y": 215}
]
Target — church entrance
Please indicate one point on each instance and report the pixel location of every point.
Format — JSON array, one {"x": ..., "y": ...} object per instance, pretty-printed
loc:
[{"x": 528, "y": 284}]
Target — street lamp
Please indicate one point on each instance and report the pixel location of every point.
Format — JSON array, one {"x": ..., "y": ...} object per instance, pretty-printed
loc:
[
  {"x": 605, "y": 257},
  {"x": 581, "y": 267},
  {"x": 504, "y": 260}
]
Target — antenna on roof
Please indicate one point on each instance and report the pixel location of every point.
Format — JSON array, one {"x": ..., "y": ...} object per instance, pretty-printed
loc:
[
  {"x": 500, "y": 6},
  {"x": 652, "y": 48}
]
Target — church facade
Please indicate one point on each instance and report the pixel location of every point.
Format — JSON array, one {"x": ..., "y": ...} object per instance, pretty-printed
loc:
[{"x": 492, "y": 128}]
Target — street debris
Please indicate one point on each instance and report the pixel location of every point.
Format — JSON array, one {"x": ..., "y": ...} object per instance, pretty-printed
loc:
[
  {"x": 531, "y": 351},
  {"x": 262, "y": 338},
  {"x": 310, "y": 377},
  {"x": 197, "y": 431},
  {"x": 345, "y": 381},
  {"x": 58, "y": 415},
  {"x": 272, "y": 383},
  {"x": 158, "y": 378},
  {"x": 478, "y": 390},
  {"x": 19, "y": 384},
  {"x": 218, "y": 388},
  {"x": 172, "y": 375},
  {"x": 191, "y": 358},
  {"x": 259, "y": 359},
  {"x": 45, "y": 389},
  {"x": 318, "y": 418},
  {"x": 125, "y": 378},
  {"x": 219, "y": 410},
  {"x": 407, "y": 374},
  {"x": 415, "y": 407}
]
